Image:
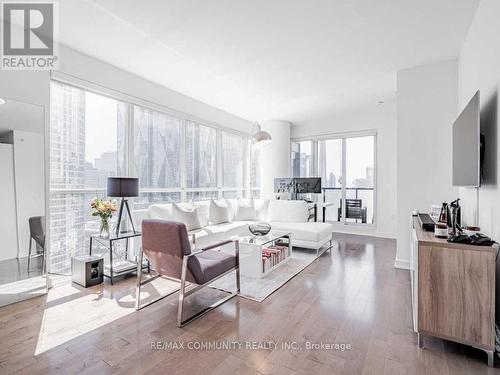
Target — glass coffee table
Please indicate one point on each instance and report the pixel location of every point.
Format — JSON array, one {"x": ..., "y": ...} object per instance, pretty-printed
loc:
[{"x": 260, "y": 255}]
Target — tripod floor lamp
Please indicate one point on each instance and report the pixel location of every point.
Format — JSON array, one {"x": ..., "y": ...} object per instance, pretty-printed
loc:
[{"x": 123, "y": 187}]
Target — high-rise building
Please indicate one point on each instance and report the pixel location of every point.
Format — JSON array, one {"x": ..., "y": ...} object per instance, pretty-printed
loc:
[
  {"x": 67, "y": 172},
  {"x": 106, "y": 162},
  {"x": 332, "y": 182},
  {"x": 74, "y": 181},
  {"x": 322, "y": 163}
]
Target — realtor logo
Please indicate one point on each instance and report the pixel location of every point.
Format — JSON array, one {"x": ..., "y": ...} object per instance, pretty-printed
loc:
[{"x": 28, "y": 34}]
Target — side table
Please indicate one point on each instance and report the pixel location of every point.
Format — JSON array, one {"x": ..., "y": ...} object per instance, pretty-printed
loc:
[{"x": 123, "y": 266}]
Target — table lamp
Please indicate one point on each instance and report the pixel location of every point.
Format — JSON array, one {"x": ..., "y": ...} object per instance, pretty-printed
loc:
[{"x": 123, "y": 187}]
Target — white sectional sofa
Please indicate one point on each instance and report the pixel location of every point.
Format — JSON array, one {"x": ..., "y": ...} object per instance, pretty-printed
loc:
[{"x": 284, "y": 215}]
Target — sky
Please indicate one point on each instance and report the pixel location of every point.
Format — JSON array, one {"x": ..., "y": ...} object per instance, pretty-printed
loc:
[
  {"x": 359, "y": 155},
  {"x": 100, "y": 126}
]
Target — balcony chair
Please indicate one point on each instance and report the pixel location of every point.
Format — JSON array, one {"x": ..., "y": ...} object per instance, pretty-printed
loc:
[
  {"x": 166, "y": 245},
  {"x": 37, "y": 234},
  {"x": 354, "y": 210}
]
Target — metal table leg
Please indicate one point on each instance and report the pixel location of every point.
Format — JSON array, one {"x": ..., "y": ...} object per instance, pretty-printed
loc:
[{"x": 111, "y": 261}]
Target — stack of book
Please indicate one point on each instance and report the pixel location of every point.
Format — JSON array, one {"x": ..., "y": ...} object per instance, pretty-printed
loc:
[{"x": 273, "y": 255}]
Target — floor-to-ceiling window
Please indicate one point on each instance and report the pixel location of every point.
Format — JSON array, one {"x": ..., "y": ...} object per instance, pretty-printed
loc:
[
  {"x": 302, "y": 159},
  {"x": 346, "y": 165},
  {"x": 329, "y": 168},
  {"x": 157, "y": 156},
  {"x": 232, "y": 165},
  {"x": 87, "y": 145},
  {"x": 95, "y": 136},
  {"x": 201, "y": 161},
  {"x": 255, "y": 170},
  {"x": 360, "y": 178}
]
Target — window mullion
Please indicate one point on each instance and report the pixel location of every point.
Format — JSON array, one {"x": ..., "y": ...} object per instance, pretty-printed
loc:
[
  {"x": 247, "y": 168},
  {"x": 219, "y": 172},
  {"x": 130, "y": 141},
  {"x": 182, "y": 161},
  {"x": 344, "y": 180},
  {"x": 314, "y": 157}
]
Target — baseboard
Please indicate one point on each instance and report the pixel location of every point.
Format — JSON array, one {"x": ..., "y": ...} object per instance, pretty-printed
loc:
[
  {"x": 402, "y": 264},
  {"x": 369, "y": 233}
]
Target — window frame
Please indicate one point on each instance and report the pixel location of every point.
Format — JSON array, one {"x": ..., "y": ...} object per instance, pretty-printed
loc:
[
  {"x": 343, "y": 136},
  {"x": 130, "y": 102}
]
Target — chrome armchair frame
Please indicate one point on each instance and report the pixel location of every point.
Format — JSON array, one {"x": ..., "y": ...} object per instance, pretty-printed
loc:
[
  {"x": 183, "y": 293},
  {"x": 324, "y": 249}
]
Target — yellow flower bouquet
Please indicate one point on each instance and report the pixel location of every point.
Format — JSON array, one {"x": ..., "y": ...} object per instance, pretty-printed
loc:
[{"x": 103, "y": 209}]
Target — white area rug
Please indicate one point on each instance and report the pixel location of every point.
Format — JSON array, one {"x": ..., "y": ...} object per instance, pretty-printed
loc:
[{"x": 258, "y": 289}]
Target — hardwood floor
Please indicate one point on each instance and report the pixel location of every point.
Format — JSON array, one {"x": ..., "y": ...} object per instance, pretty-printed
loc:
[{"x": 352, "y": 295}]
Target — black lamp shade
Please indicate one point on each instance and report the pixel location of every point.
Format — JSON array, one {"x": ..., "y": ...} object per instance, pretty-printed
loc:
[{"x": 123, "y": 187}]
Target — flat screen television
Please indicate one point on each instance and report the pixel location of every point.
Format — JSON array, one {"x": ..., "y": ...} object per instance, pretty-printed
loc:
[
  {"x": 298, "y": 185},
  {"x": 467, "y": 145},
  {"x": 308, "y": 185}
]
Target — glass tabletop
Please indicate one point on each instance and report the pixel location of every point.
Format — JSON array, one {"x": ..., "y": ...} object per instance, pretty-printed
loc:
[
  {"x": 273, "y": 235},
  {"x": 113, "y": 236}
]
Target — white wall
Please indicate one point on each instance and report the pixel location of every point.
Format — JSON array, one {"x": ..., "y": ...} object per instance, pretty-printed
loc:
[
  {"x": 382, "y": 119},
  {"x": 29, "y": 177},
  {"x": 8, "y": 229},
  {"x": 479, "y": 69},
  {"x": 427, "y": 107},
  {"x": 275, "y": 157}
]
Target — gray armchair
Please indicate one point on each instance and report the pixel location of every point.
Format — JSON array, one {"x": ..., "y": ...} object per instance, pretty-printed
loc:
[
  {"x": 166, "y": 245},
  {"x": 37, "y": 234}
]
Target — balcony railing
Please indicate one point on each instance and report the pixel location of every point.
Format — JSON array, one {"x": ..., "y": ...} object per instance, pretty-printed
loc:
[
  {"x": 334, "y": 195},
  {"x": 356, "y": 189}
]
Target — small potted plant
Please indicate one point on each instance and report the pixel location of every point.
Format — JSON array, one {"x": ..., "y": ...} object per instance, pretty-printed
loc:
[{"x": 103, "y": 209}]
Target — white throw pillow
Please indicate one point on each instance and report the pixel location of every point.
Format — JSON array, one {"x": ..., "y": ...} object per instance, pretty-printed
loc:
[
  {"x": 188, "y": 216},
  {"x": 218, "y": 212},
  {"x": 233, "y": 207},
  {"x": 161, "y": 211},
  {"x": 203, "y": 211},
  {"x": 261, "y": 208},
  {"x": 245, "y": 211}
]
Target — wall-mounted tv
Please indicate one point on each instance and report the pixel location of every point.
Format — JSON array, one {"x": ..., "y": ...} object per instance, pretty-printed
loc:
[{"x": 467, "y": 145}]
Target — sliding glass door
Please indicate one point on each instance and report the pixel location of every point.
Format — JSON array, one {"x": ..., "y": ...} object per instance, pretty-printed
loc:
[
  {"x": 346, "y": 165},
  {"x": 330, "y": 169},
  {"x": 360, "y": 179}
]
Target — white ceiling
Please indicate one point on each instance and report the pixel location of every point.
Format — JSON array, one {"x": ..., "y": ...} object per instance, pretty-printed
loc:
[{"x": 259, "y": 59}]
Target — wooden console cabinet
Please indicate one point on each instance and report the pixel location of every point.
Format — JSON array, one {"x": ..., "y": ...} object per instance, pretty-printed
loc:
[{"x": 453, "y": 290}]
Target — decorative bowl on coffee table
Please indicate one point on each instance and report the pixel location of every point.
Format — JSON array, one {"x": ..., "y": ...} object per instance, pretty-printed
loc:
[{"x": 259, "y": 229}]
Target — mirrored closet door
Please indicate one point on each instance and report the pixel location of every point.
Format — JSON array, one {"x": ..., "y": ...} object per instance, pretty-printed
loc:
[{"x": 22, "y": 202}]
